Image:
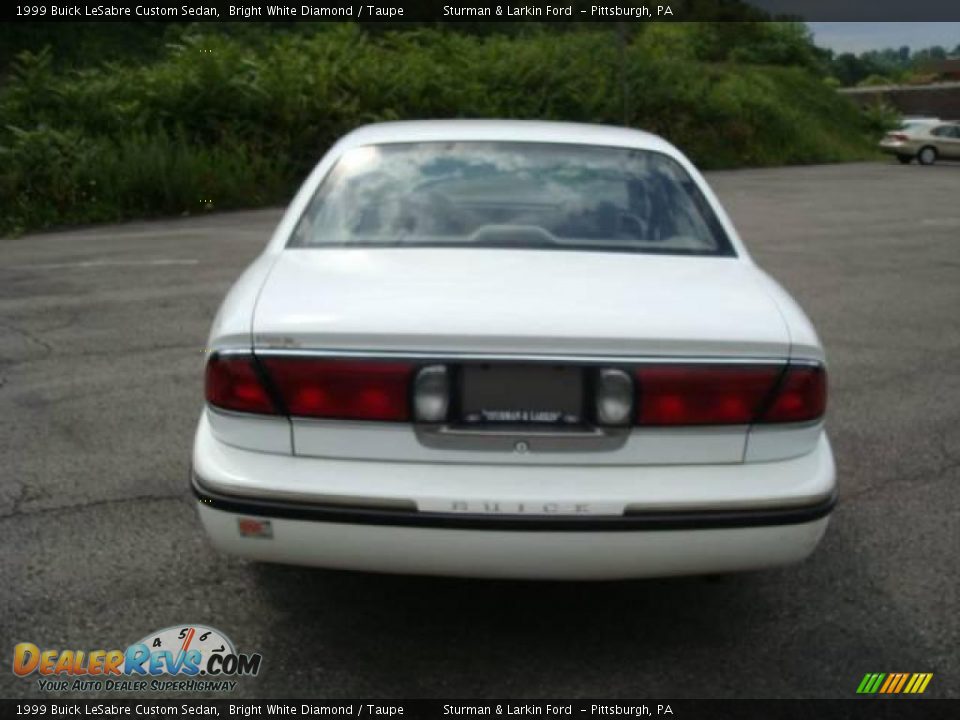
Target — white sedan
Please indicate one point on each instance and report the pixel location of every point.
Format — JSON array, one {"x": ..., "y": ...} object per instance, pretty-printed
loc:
[{"x": 512, "y": 349}]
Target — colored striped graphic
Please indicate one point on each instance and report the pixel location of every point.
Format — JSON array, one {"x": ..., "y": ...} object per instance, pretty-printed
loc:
[{"x": 894, "y": 683}]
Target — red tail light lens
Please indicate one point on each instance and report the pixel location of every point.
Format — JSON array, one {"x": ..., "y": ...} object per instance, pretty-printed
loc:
[
  {"x": 898, "y": 136},
  {"x": 801, "y": 397},
  {"x": 730, "y": 394},
  {"x": 703, "y": 394},
  {"x": 342, "y": 389},
  {"x": 232, "y": 383}
]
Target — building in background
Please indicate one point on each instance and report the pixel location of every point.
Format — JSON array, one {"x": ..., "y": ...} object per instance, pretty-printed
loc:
[{"x": 938, "y": 97}]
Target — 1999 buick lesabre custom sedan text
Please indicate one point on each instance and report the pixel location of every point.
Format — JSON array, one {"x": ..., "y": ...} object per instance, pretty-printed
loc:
[
  {"x": 116, "y": 11},
  {"x": 512, "y": 349},
  {"x": 111, "y": 709}
]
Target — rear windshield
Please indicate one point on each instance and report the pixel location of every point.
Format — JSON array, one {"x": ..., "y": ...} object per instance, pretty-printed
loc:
[{"x": 508, "y": 194}]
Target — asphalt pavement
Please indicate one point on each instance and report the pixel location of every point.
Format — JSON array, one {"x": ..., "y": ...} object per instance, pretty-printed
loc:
[{"x": 102, "y": 332}]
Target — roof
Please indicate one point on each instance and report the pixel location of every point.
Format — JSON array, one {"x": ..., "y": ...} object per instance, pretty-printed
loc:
[
  {"x": 948, "y": 65},
  {"x": 510, "y": 130},
  {"x": 867, "y": 89}
]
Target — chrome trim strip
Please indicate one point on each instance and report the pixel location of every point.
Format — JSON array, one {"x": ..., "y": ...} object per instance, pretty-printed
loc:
[
  {"x": 244, "y": 350},
  {"x": 239, "y": 415},
  {"x": 518, "y": 439},
  {"x": 513, "y": 357}
]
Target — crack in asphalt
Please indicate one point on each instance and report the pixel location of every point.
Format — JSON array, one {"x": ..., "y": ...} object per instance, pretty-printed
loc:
[
  {"x": 943, "y": 467},
  {"x": 160, "y": 262},
  {"x": 17, "y": 500},
  {"x": 17, "y": 513},
  {"x": 200, "y": 348},
  {"x": 112, "y": 352},
  {"x": 29, "y": 336}
]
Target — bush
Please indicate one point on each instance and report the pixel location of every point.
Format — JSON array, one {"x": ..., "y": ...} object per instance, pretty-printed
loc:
[
  {"x": 881, "y": 117},
  {"x": 239, "y": 123}
]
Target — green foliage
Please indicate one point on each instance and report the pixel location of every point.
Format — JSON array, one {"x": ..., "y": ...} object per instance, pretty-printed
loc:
[
  {"x": 886, "y": 67},
  {"x": 50, "y": 176},
  {"x": 83, "y": 43},
  {"x": 217, "y": 117},
  {"x": 875, "y": 81},
  {"x": 758, "y": 43},
  {"x": 881, "y": 117}
]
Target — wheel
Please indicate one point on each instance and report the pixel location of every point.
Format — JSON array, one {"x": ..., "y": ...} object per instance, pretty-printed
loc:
[
  {"x": 905, "y": 159},
  {"x": 927, "y": 155}
]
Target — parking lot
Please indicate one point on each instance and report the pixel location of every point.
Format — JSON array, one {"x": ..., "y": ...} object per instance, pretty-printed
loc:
[{"x": 101, "y": 338}]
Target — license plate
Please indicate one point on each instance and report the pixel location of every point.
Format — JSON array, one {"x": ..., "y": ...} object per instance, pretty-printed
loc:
[{"x": 521, "y": 394}]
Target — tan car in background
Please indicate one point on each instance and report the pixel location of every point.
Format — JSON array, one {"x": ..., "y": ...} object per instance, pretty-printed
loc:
[{"x": 925, "y": 142}]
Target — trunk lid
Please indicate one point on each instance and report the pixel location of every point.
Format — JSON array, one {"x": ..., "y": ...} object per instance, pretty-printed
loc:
[{"x": 462, "y": 300}]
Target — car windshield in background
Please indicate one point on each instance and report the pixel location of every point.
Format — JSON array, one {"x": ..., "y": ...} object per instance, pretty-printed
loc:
[{"x": 511, "y": 194}]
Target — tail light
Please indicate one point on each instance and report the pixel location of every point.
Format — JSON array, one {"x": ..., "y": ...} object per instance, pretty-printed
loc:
[
  {"x": 342, "y": 389},
  {"x": 729, "y": 394},
  {"x": 899, "y": 137},
  {"x": 801, "y": 396},
  {"x": 233, "y": 382},
  {"x": 305, "y": 387},
  {"x": 656, "y": 395}
]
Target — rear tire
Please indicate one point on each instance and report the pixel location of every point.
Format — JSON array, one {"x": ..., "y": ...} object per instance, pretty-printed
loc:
[
  {"x": 927, "y": 155},
  {"x": 905, "y": 159}
]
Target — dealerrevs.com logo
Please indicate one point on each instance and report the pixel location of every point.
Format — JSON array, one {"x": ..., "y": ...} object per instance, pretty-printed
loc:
[{"x": 182, "y": 657}]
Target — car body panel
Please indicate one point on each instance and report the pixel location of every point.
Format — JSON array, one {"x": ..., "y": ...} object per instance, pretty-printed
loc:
[{"x": 947, "y": 141}]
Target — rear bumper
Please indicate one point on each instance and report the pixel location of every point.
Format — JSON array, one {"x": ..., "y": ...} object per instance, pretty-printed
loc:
[
  {"x": 667, "y": 520},
  {"x": 899, "y": 148},
  {"x": 556, "y": 555}
]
